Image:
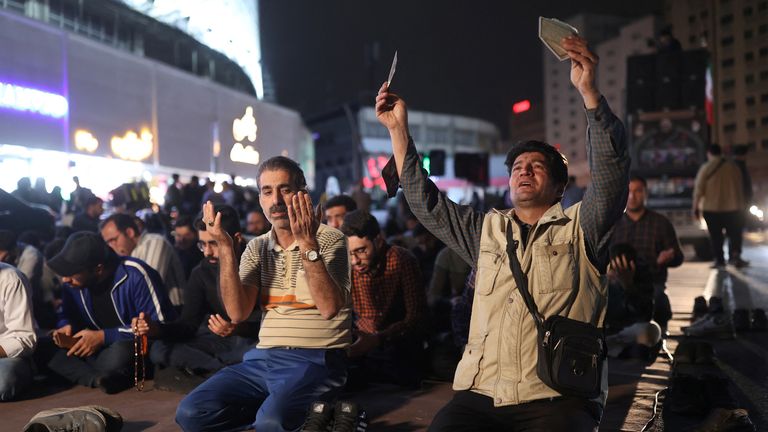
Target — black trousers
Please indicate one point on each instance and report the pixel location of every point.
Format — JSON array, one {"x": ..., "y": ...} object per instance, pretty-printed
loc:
[
  {"x": 473, "y": 412},
  {"x": 733, "y": 225}
]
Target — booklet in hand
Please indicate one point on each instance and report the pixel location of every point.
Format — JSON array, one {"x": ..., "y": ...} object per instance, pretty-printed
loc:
[{"x": 552, "y": 31}]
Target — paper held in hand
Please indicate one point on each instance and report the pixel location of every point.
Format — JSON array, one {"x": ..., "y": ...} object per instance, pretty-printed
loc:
[
  {"x": 392, "y": 71},
  {"x": 552, "y": 31}
]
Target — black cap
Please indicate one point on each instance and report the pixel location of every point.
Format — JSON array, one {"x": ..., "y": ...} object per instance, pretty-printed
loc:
[{"x": 83, "y": 251}]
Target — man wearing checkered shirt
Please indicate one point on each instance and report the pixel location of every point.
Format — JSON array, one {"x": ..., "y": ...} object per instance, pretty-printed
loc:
[{"x": 563, "y": 252}]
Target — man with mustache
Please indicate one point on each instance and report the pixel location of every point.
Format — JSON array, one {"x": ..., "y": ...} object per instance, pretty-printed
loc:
[
  {"x": 563, "y": 254},
  {"x": 189, "y": 349},
  {"x": 298, "y": 273}
]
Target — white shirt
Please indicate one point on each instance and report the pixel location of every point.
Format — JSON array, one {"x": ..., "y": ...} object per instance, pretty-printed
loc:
[
  {"x": 17, "y": 334},
  {"x": 159, "y": 254}
]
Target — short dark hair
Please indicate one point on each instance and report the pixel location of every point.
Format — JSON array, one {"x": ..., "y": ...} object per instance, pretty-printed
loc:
[
  {"x": 7, "y": 240},
  {"x": 556, "y": 162},
  {"x": 230, "y": 219},
  {"x": 185, "y": 221},
  {"x": 122, "y": 222},
  {"x": 341, "y": 200},
  {"x": 714, "y": 149},
  {"x": 360, "y": 223},
  {"x": 299, "y": 182},
  {"x": 641, "y": 179}
]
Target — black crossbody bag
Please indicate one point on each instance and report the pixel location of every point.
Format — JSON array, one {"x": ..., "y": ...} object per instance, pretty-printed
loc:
[{"x": 570, "y": 352}]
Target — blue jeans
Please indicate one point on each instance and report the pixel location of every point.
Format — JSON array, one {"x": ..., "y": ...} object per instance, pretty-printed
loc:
[
  {"x": 15, "y": 377},
  {"x": 271, "y": 390}
]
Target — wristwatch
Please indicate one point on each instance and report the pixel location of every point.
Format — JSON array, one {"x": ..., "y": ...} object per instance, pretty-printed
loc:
[{"x": 311, "y": 255}]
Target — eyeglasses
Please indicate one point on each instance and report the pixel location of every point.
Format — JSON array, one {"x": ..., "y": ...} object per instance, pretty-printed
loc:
[
  {"x": 202, "y": 244},
  {"x": 360, "y": 253}
]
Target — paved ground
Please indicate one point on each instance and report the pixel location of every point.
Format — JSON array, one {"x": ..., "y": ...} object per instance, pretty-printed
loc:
[{"x": 633, "y": 385}]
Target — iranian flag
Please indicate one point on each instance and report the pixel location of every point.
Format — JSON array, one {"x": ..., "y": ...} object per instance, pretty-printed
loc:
[{"x": 708, "y": 99}]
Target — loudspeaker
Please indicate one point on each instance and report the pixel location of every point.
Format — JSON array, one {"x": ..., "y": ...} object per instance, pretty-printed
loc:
[
  {"x": 668, "y": 95},
  {"x": 471, "y": 166},
  {"x": 641, "y": 97},
  {"x": 641, "y": 70},
  {"x": 437, "y": 162},
  {"x": 668, "y": 67}
]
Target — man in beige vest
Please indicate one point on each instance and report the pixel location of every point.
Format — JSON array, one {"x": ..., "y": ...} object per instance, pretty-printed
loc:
[{"x": 561, "y": 251}]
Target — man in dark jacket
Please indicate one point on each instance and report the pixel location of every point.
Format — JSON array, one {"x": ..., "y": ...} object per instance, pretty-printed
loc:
[
  {"x": 203, "y": 339},
  {"x": 101, "y": 292}
]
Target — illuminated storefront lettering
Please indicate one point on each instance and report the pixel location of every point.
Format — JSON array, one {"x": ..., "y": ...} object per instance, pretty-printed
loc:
[
  {"x": 244, "y": 128},
  {"x": 133, "y": 146},
  {"x": 35, "y": 101}
]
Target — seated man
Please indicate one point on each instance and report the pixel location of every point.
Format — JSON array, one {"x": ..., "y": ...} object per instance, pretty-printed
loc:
[
  {"x": 88, "y": 218},
  {"x": 17, "y": 334},
  {"x": 628, "y": 321},
  {"x": 336, "y": 208},
  {"x": 256, "y": 224},
  {"x": 123, "y": 235},
  {"x": 389, "y": 304},
  {"x": 101, "y": 292},
  {"x": 192, "y": 343},
  {"x": 299, "y": 274},
  {"x": 185, "y": 239},
  {"x": 31, "y": 263}
]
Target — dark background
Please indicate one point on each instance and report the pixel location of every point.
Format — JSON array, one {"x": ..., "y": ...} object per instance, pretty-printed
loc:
[{"x": 472, "y": 58}]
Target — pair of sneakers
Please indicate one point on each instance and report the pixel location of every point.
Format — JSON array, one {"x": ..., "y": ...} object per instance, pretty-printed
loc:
[
  {"x": 345, "y": 416},
  {"x": 90, "y": 418}
]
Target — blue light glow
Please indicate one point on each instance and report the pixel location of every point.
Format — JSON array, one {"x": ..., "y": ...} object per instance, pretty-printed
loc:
[{"x": 31, "y": 100}]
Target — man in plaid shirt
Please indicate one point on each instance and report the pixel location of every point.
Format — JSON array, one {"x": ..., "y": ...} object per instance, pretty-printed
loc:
[
  {"x": 654, "y": 238},
  {"x": 389, "y": 304}
]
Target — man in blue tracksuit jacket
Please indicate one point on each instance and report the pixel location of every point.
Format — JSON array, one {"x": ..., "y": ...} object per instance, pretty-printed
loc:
[{"x": 101, "y": 293}]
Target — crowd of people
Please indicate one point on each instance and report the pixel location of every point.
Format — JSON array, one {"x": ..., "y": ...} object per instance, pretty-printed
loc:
[{"x": 258, "y": 304}]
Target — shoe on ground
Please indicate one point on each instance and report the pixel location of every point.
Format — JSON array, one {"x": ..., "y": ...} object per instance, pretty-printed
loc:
[
  {"x": 111, "y": 384},
  {"x": 738, "y": 263},
  {"x": 741, "y": 320},
  {"x": 717, "y": 325},
  {"x": 700, "y": 308},
  {"x": 91, "y": 418},
  {"x": 715, "y": 304},
  {"x": 348, "y": 417},
  {"x": 319, "y": 418},
  {"x": 718, "y": 265},
  {"x": 759, "y": 322}
]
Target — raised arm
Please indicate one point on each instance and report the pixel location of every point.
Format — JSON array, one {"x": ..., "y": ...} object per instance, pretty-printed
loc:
[
  {"x": 606, "y": 195},
  {"x": 455, "y": 225}
]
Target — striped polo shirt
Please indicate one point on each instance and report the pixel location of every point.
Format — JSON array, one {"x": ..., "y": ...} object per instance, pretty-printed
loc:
[{"x": 290, "y": 317}]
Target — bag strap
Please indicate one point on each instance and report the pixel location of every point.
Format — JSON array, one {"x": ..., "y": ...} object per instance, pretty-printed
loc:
[
  {"x": 520, "y": 279},
  {"x": 711, "y": 173}
]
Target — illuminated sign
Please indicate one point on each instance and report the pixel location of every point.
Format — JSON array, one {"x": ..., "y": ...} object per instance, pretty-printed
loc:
[
  {"x": 246, "y": 154},
  {"x": 244, "y": 128},
  {"x": 521, "y": 107},
  {"x": 85, "y": 141},
  {"x": 35, "y": 101},
  {"x": 133, "y": 146}
]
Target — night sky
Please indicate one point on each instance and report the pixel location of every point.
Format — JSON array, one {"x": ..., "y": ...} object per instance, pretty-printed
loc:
[{"x": 473, "y": 58}]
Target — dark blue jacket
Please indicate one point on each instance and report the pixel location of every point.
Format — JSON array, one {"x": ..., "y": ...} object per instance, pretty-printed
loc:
[{"x": 136, "y": 287}]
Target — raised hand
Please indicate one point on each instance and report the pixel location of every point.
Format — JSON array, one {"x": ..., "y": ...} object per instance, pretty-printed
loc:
[
  {"x": 391, "y": 110},
  {"x": 304, "y": 220},
  {"x": 212, "y": 221},
  {"x": 583, "y": 69}
]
